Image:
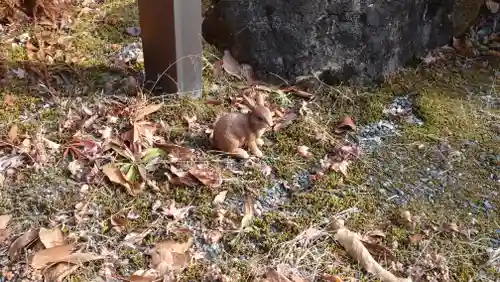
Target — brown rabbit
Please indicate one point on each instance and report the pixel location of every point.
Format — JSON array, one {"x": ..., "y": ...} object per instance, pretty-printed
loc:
[{"x": 234, "y": 130}]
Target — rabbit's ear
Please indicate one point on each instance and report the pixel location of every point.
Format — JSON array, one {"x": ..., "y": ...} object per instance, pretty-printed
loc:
[
  {"x": 249, "y": 102},
  {"x": 259, "y": 99}
]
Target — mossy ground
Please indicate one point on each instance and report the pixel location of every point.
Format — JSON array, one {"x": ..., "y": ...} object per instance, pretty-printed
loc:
[{"x": 449, "y": 99}]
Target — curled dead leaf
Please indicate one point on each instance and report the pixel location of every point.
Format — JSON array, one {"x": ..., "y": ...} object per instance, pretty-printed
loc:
[
  {"x": 176, "y": 152},
  {"x": 492, "y": 6},
  {"x": 450, "y": 227},
  {"x": 230, "y": 65},
  {"x": 119, "y": 222},
  {"x": 51, "y": 237},
  {"x": 206, "y": 175},
  {"x": 248, "y": 211},
  {"x": 58, "y": 272},
  {"x": 331, "y": 278},
  {"x": 352, "y": 244},
  {"x": 219, "y": 199},
  {"x": 378, "y": 250},
  {"x": 4, "y": 232},
  {"x": 285, "y": 121},
  {"x": 142, "y": 112},
  {"x": 345, "y": 125},
  {"x": 170, "y": 256},
  {"x": 21, "y": 242},
  {"x": 304, "y": 152},
  {"x": 297, "y": 92},
  {"x": 4, "y": 220},
  {"x": 13, "y": 134}
]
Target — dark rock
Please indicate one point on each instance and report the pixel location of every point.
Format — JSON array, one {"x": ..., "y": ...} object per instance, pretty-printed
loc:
[{"x": 356, "y": 41}]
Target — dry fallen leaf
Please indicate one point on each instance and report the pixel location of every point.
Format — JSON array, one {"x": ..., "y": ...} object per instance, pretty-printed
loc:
[
  {"x": 285, "y": 121},
  {"x": 373, "y": 235},
  {"x": 45, "y": 257},
  {"x": 297, "y": 92},
  {"x": 141, "y": 113},
  {"x": 4, "y": 220},
  {"x": 248, "y": 212},
  {"x": 351, "y": 242},
  {"x": 378, "y": 250},
  {"x": 206, "y": 175},
  {"x": 492, "y": 6},
  {"x": 4, "y": 232},
  {"x": 415, "y": 238},
  {"x": 450, "y": 227},
  {"x": 21, "y": 242},
  {"x": 13, "y": 134},
  {"x": 170, "y": 256},
  {"x": 219, "y": 199},
  {"x": 9, "y": 100},
  {"x": 274, "y": 276},
  {"x": 119, "y": 222},
  {"x": 51, "y": 237},
  {"x": 462, "y": 47},
  {"x": 345, "y": 125},
  {"x": 63, "y": 253},
  {"x": 230, "y": 65},
  {"x": 331, "y": 278},
  {"x": 115, "y": 175},
  {"x": 304, "y": 152},
  {"x": 58, "y": 272}
]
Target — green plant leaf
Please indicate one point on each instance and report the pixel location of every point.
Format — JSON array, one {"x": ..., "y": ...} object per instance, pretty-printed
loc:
[
  {"x": 152, "y": 153},
  {"x": 131, "y": 175}
]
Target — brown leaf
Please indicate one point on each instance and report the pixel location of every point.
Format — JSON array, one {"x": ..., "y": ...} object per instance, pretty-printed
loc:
[
  {"x": 4, "y": 220},
  {"x": 285, "y": 121},
  {"x": 378, "y": 250},
  {"x": 492, "y": 6},
  {"x": 274, "y": 276},
  {"x": 58, "y": 272},
  {"x": 45, "y": 257},
  {"x": 304, "y": 152},
  {"x": 115, "y": 175},
  {"x": 21, "y": 242},
  {"x": 4, "y": 232},
  {"x": 355, "y": 248},
  {"x": 170, "y": 256},
  {"x": 462, "y": 47},
  {"x": 119, "y": 222},
  {"x": 175, "y": 151},
  {"x": 9, "y": 100},
  {"x": 345, "y": 125},
  {"x": 219, "y": 199},
  {"x": 141, "y": 113},
  {"x": 230, "y": 65},
  {"x": 415, "y": 238},
  {"x": 217, "y": 71},
  {"x": 206, "y": 175},
  {"x": 51, "y": 237},
  {"x": 63, "y": 253},
  {"x": 13, "y": 134},
  {"x": 297, "y": 92},
  {"x": 180, "y": 177},
  {"x": 248, "y": 211},
  {"x": 450, "y": 227},
  {"x": 331, "y": 278},
  {"x": 373, "y": 234}
]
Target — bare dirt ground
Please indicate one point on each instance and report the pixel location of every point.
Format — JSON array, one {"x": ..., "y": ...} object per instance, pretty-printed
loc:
[{"x": 416, "y": 175}]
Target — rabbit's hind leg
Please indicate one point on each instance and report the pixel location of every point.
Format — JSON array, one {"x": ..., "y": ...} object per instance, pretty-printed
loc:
[{"x": 240, "y": 153}]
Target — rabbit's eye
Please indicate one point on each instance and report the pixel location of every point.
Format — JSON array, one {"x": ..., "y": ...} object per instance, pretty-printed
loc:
[{"x": 260, "y": 118}]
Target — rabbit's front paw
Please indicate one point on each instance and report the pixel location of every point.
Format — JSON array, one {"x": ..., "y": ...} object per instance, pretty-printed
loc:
[
  {"x": 257, "y": 153},
  {"x": 259, "y": 142}
]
